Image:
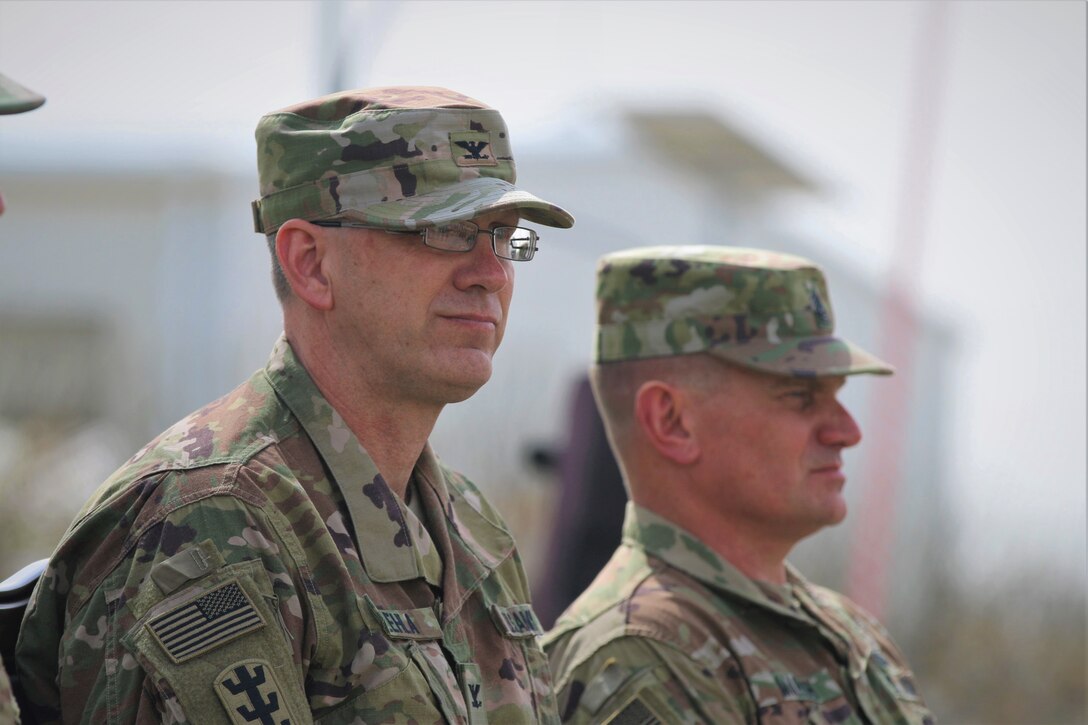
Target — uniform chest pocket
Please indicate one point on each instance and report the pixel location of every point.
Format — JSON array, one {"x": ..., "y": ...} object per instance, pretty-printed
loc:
[
  {"x": 424, "y": 690},
  {"x": 412, "y": 680},
  {"x": 532, "y": 688}
]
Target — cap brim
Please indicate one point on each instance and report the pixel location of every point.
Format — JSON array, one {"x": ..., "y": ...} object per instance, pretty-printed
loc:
[
  {"x": 465, "y": 200},
  {"x": 14, "y": 98},
  {"x": 804, "y": 357}
]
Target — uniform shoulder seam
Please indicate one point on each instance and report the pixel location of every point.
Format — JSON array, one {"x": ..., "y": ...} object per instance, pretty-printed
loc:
[{"x": 226, "y": 488}]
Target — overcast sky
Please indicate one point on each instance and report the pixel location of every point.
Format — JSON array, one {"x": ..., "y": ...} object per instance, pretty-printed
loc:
[{"x": 999, "y": 254}]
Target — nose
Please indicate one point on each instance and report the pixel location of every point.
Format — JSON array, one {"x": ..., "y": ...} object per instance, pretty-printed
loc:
[
  {"x": 482, "y": 269},
  {"x": 840, "y": 430}
]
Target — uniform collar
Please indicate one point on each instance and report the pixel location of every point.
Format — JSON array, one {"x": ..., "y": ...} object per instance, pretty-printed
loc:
[
  {"x": 798, "y": 599},
  {"x": 471, "y": 536},
  {"x": 394, "y": 545},
  {"x": 683, "y": 550}
]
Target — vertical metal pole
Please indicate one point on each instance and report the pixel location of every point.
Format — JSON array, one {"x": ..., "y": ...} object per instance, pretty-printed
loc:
[
  {"x": 330, "y": 47},
  {"x": 350, "y": 37}
]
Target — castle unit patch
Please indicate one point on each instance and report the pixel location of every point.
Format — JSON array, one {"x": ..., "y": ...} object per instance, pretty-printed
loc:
[{"x": 251, "y": 694}]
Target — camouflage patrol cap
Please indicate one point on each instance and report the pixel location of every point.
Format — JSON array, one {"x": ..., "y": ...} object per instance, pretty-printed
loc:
[
  {"x": 763, "y": 310},
  {"x": 399, "y": 158},
  {"x": 15, "y": 98}
]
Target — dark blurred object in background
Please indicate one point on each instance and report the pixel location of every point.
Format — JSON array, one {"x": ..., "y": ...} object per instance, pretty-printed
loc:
[{"x": 589, "y": 515}]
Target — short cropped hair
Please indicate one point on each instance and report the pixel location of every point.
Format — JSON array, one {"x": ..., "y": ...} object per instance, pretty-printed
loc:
[
  {"x": 279, "y": 279},
  {"x": 616, "y": 384}
]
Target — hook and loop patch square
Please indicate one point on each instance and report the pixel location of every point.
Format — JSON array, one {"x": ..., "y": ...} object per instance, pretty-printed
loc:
[{"x": 207, "y": 621}]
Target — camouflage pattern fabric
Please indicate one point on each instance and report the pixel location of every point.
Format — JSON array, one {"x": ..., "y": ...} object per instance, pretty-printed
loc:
[
  {"x": 250, "y": 565},
  {"x": 671, "y": 633},
  {"x": 764, "y": 310},
  {"x": 9, "y": 709},
  {"x": 400, "y": 158}
]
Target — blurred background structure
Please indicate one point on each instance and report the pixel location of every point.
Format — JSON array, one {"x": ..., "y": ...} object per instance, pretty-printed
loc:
[{"x": 930, "y": 156}]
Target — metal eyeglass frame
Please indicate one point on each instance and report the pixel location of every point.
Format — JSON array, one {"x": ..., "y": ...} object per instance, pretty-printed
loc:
[{"x": 468, "y": 240}]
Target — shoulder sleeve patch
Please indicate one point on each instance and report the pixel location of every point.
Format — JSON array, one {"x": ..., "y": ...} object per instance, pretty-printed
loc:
[
  {"x": 251, "y": 694},
  {"x": 201, "y": 624}
]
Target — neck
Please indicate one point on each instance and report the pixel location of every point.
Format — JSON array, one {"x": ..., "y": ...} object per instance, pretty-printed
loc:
[
  {"x": 393, "y": 432},
  {"x": 757, "y": 554},
  {"x": 765, "y": 562}
]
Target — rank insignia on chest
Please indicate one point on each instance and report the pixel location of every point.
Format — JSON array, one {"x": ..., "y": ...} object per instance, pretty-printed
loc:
[{"x": 208, "y": 621}]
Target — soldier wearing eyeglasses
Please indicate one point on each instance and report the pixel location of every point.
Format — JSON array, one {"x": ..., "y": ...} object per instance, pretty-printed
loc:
[
  {"x": 295, "y": 551},
  {"x": 718, "y": 374}
]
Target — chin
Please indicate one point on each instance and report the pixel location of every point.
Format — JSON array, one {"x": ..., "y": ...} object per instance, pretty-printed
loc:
[
  {"x": 462, "y": 384},
  {"x": 456, "y": 375},
  {"x": 458, "y": 392},
  {"x": 837, "y": 514}
]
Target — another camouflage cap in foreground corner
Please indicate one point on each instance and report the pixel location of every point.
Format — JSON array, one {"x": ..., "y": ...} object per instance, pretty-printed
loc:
[
  {"x": 764, "y": 310},
  {"x": 399, "y": 158},
  {"x": 15, "y": 98}
]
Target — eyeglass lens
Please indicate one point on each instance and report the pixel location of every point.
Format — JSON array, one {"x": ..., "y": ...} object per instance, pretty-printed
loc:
[{"x": 516, "y": 243}]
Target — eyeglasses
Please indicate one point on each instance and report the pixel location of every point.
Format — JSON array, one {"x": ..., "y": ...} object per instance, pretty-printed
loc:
[{"x": 515, "y": 243}]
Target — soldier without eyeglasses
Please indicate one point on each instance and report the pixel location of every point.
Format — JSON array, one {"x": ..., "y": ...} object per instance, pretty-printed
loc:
[{"x": 717, "y": 375}]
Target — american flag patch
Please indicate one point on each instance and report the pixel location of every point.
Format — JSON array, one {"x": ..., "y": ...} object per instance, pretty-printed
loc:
[{"x": 202, "y": 624}]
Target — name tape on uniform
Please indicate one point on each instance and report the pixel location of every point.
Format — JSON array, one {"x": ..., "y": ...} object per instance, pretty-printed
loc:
[
  {"x": 419, "y": 623},
  {"x": 517, "y": 621}
]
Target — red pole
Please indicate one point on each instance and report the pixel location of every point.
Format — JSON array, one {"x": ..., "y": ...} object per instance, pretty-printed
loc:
[{"x": 897, "y": 325}]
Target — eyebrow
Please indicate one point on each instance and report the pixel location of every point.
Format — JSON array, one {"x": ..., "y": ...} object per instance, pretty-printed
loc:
[
  {"x": 831, "y": 383},
  {"x": 515, "y": 213},
  {"x": 778, "y": 383}
]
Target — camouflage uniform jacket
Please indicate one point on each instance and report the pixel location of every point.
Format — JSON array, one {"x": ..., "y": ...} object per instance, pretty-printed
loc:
[
  {"x": 670, "y": 632},
  {"x": 250, "y": 565}
]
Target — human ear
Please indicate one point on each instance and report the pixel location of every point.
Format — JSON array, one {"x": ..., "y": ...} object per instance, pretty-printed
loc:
[
  {"x": 301, "y": 249},
  {"x": 662, "y": 414}
]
